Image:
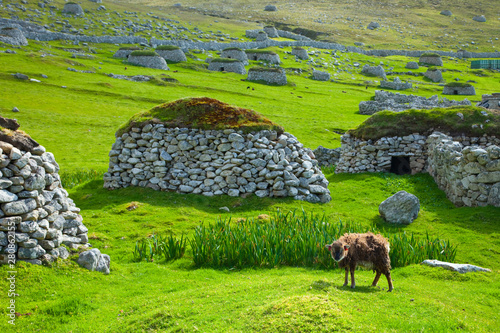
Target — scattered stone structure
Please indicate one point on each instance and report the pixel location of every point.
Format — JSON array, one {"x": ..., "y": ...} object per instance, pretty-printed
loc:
[
  {"x": 490, "y": 101},
  {"x": 434, "y": 75},
  {"x": 400, "y": 208},
  {"x": 446, "y": 13},
  {"x": 270, "y": 8},
  {"x": 270, "y": 75},
  {"x": 327, "y": 157},
  {"x": 374, "y": 70},
  {"x": 261, "y": 36},
  {"x": 412, "y": 65},
  {"x": 235, "y": 53},
  {"x": 479, "y": 18},
  {"x": 397, "y": 84},
  {"x": 386, "y": 100},
  {"x": 215, "y": 162},
  {"x": 34, "y": 203},
  {"x": 259, "y": 55},
  {"x": 13, "y": 36},
  {"x": 150, "y": 61},
  {"x": 271, "y": 32},
  {"x": 124, "y": 52},
  {"x": 171, "y": 53},
  {"x": 454, "y": 89},
  {"x": 320, "y": 76},
  {"x": 73, "y": 9},
  {"x": 300, "y": 53},
  {"x": 227, "y": 65},
  {"x": 373, "y": 26},
  {"x": 430, "y": 59}
]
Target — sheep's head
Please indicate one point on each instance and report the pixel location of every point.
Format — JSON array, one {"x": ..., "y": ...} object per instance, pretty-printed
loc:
[{"x": 337, "y": 250}]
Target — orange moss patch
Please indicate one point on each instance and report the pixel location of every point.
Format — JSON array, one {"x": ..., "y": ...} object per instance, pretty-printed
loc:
[{"x": 204, "y": 113}]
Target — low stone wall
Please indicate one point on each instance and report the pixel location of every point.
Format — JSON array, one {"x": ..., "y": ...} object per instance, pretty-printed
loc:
[
  {"x": 397, "y": 84},
  {"x": 327, "y": 157},
  {"x": 213, "y": 162},
  {"x": 386, "y": 100},
  {"x": 470, "y": 176},
  {"x": 272, "y": 76},
  {"x": 259, "y": 56},
  {"x": 35, "y": 211},
  {"x": 234, "y": 67},
  {"x": 271, "y": 32}
]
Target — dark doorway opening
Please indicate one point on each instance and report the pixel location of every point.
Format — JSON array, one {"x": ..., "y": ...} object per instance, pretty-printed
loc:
[
  {"x": 222, "y": 69},
  {"x": 455, "y": 92},
  {"x": 400, "y": 165}
]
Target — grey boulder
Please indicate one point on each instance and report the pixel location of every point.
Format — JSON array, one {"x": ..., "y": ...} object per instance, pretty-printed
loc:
[
  {"x": 93, "y": 260},
  {"x": 401, "y": 208}
]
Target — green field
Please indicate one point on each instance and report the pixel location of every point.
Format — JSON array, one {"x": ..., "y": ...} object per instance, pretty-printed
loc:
[{"x": 75, "y": 116}]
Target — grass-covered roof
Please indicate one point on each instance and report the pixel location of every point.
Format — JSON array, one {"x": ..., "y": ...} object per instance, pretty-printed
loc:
[
  {"x": 167, "y": 48},
  {"x": 144, "y": 53},
  {"x": 446, "y": 120},
  {"x": 225, "y": 60},
  {"x": 203, "y": 113},
  {"x": 260, "y": 51},
  {"x": 430, "y": 55},
  {"x": 458, "y": 85}
]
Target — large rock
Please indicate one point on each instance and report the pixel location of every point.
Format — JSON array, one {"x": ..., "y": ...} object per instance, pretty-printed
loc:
[
  {"x": 446, "y": 13},
  {"x": 373, "y": 26},
  {"x": 479, "y": 18},
  {"x": 374, "y": 70},
  {"x": 401, "y": 208},
  {"x": 73, "y": 9},
  {"x": 93, "y": 260},
  {"x": 412, "y": 65},
  {"x": 13, "y": 36},
  {"x": 270, "y": 8},
  {"x": 461, "y": 268}
]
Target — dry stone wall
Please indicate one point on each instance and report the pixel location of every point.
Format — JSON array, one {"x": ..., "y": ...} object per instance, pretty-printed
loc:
[
  {"x": 211, "y": 162},
  {"x": 223, "y": 66},
  {"x": 272, "y": 75}
]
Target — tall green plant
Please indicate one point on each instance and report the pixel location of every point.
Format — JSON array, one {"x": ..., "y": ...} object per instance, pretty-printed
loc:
[{"x": 160, "y": 247}]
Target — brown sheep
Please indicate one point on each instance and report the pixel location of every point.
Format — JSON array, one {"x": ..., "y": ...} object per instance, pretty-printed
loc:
[{"x": 367, "y": 250}]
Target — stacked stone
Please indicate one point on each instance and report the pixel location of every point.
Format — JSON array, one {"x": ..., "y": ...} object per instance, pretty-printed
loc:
[
  {"x": 397, "y": 84},
  {"x": 271, "y": 32},
  {"x": 469, "y": 175},
  {"x": 176, "y": 55},
  {"x": 271, "y": 75},
  {"x": 12, "y": 36},
  {"x": 358, "y": 155},
  {"x": 434, "y": 75},
  {"x": 466, "y": 90},
  {"x": 211, "y": 162},
  {"x": 148, "y": 61},
  {"x": 226, "y": 65},
  {"x": 374, "y": 70},
  {"x": 270, "y": 57},
  {"x": 320, "y": 76},
  {"x": 73, "y": 8},
  {"x": 35, "y": 208},
  {"x": 327, "y": 157},
  {"x": 235, "y": 53},
  {"x": 412, "y": 65},
  {"x": 261, "y": 36},
  {"x": 124, "y": 52},
  {"x": 300, "y": 53},
  {"x": 434, "y": 60}
]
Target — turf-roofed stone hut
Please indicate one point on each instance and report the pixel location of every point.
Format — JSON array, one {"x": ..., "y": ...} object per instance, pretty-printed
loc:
[
  {"x": 263, "y": 55},
  {"x": 171, "y": 53},
  {"x": 33, "y": 202},
  {"x": 148, "y": 59},
  {"x": 300, "y": 53},
  {"x": 124, "y": 52},
  {"x": 465, "y": 164},
  {"x": 13, "y": 36},
  {"x": 204, "y": 146},
  {"x": 269, "y": 75},
  {"x": 235, "y": 53},
  {"x": 432, "y": 59},
  {"x": 458, "y": 88},
  {"x": 227, "y": 65}
]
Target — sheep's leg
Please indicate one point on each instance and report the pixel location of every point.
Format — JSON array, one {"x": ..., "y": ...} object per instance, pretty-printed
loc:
[
  {"x": 389, "y": 280},
  {"x": 353, "y": 284},
  {"x": 346, "y": 276},
  {"x": 377, "y": 276}
]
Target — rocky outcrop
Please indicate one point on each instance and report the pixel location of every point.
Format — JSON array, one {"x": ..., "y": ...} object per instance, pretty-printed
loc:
[
  {"x": 374, "y": 71},
  {"x": 148, "y": 61},
  {"x": 397, "y": 84},
  {"x": 13, "y": 36},
  {"x": 227, "y": 65},
  {"x": 386, "y": 100},
  {"x": 300, "y": 53},
  {"x": 269, "y": 75},
  {"x": 373, "y": 26},
  {"x": 401, "y": 208},
  {"x": 320, "y": 76},
  {"x": 270, "y": 8},
  {"x": 211, "y": 162},
  {"x": 434, "y": 75},
  {"x": 479, "y": 18}
]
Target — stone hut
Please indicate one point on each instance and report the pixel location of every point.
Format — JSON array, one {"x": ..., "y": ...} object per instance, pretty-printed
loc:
[
  {"x": 269, "y": 75},
  {"x": 171, "y": 53},
  {"x": 320, "y": 76},
  {"x": 374, "y": 71},
  {"x": 434, "y": 75},
  {"x": 233, "y": 151},
  {"x": 271, "y": 32},
  {"x": 412, "y": 65},
  {"x": 13, "y": 36},
  {"x": 33, "y": 201},
  {"x": 479, "y": 18},
  {"x": 432, "y": 59},
  {"x": 397, "y": 84},
  {"x": 465, "y": 166},
  {"x": 73, "y": 9},
  {"x": 270, "y": 8},
  {"x": 124, "y": 52},
  {"x": 300, "y": 53},
  {"x": 227, "y": 65},
  {"x": 263, "y": 55},
  {"x": 490, "y": 101},
  {"x": 235, "y": 53},
  {"x": 446, "y": 13},
  {"x": 457, "y": 88},
  {"x": 147, "y": 59},
  {"x": 261, "y": 36}
]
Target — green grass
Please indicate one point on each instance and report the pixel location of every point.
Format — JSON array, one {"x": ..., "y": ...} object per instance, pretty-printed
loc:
[
  {"x": 458, "y": 84},
  {"x": 144, "y": 53},
  {"x": 430, "y": 55},
  {"x": 261, "y": 51},
  {"x": 225, "y": 60}
]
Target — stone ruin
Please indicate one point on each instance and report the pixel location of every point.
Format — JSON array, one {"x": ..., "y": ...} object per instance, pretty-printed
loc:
[
  {"x": 261, "y": 36},
  {"x": 73, "y": 9},
  {"x": 167, "y": 157},
  {"x": 171, "y": 53},
  {"x": 300, "y": 53},
  {"x": 38, "y": 221},
  {"x": 434, "y": 75},
  {"x": 385, "y": 100},
  {"x": 12, "y": 36},
  {"x": 327, "y": 157},
  {"x": 271, "y": 32},
  {"x": 227, "y": 65},
  {"x": 269, "y": 75},
  {"x": 268, "y": 56},
  {"x": 235, "y": 53},
  {"x": 124, "y": 52},
  {"x": 397, "y": 84},
  {"x": 490, "y": 101},
  {"x": 320, "y": 75},
  {"x": 374, "y": 71},
  {"x": 412, "y": 65},
  {"x": 453, "y": 89},
  {"x": 149, "y": 61},
  {"x": 430, "y": 59}
]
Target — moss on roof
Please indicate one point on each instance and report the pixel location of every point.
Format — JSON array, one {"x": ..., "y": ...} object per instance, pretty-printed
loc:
[
  {"x": 203, "y": 113},
  {"x": 144, "y": 54},
  {"x": 458, "y": 85},
  {"x": 232, "y": 49},
  {"x": 298, "y": 48},
  {"x": 261, "y": 51},
  {"x": 167, "y": 48},
  {"x": 431, "y": 55},
  {"x": 424, "y": 122},
  {"x": 224, "y": 60}
]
